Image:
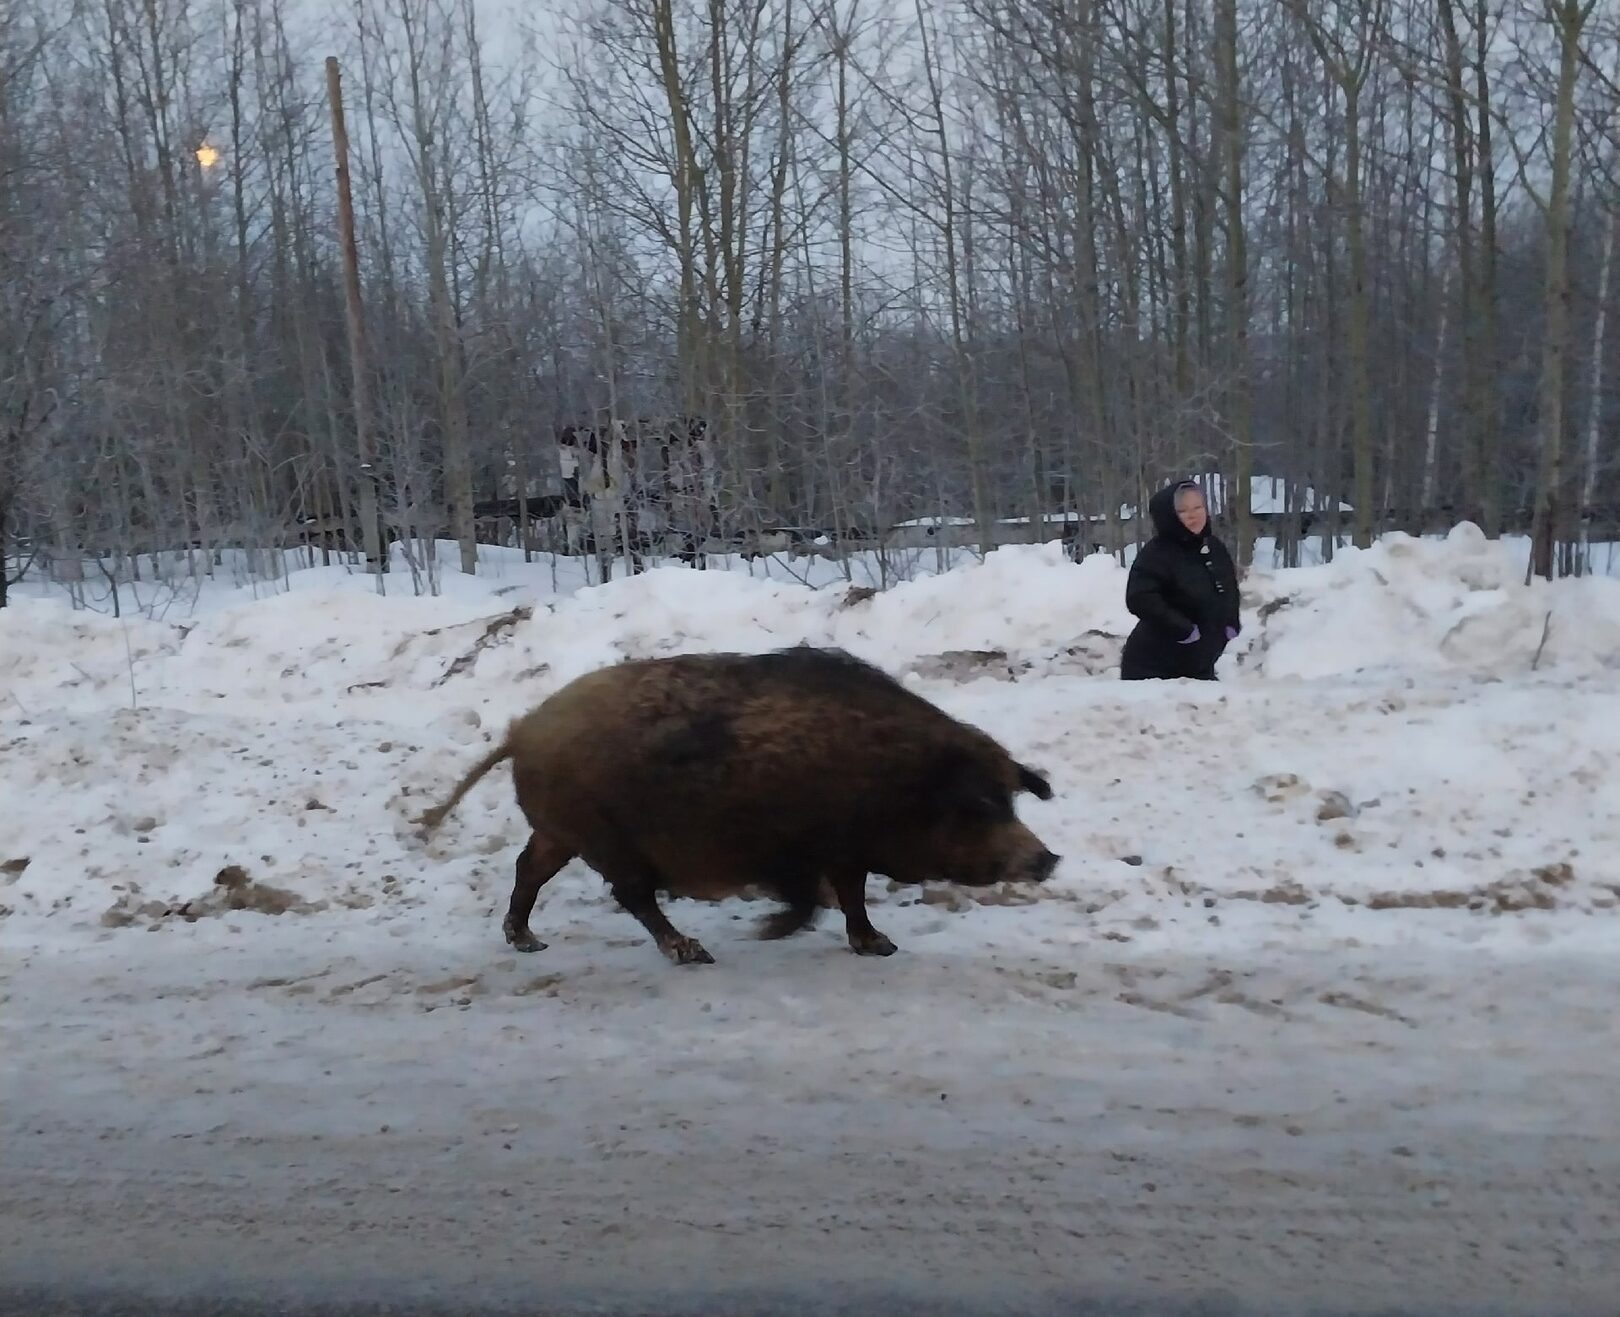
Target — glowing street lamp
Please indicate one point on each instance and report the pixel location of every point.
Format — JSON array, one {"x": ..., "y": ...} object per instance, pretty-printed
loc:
[{"x": 207, "y": 156}]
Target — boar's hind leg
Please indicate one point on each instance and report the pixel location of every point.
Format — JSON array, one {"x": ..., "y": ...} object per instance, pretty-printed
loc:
[
  {"x": 635, "y": 886},
  {"x": 536, "y": 866},
  {"x": 850, "y": 887},
  {"x": 799, "y": 892}
]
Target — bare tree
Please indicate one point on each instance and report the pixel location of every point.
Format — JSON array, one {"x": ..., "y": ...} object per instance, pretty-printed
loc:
[
  {"x": 1594, "y": 403},
  {"x": 1237, "y": 273},
  {"x": 423, "y": 22},
  {"x": 1568, "y": 19},
  {"x": 355, "y": 319},
  {"x": 1023, "y": 261},
  {"x": 1345, "y": 34}
]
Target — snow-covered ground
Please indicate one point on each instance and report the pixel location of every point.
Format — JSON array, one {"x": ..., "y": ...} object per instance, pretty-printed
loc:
[{"x": 1320, "y": 1009}]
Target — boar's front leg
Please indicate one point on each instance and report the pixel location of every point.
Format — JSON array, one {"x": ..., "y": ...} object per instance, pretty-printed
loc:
[{"x": 864, "y": 940}]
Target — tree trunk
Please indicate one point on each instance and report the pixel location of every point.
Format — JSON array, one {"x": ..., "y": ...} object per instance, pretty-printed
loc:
[
  {"x": 1237, "y": 281},
  {"x": 687, "y": 181},
  {"x": 966, "y": 383},
  {"x": 1569, "y": 17},
  {"x": 369, "y": 528},
  {"x": 1361, "y": 440},
  {"x": 1431, "y": 442},
  {"x": 1181, "y": 322},
  {"x": 1487, "y": 410},
  {"x": 1475, "y": 383},
  {"x": 452, "y": 395},
  {"x": 1594, "y": 404}
]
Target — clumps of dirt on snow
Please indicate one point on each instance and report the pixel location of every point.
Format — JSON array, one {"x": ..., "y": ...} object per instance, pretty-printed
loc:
[
  {"x": 966, "y": 664},
  {"x": 1547, "y": 887},
  {"x": 1332, "y": 805},
  {"x": 1275, "y": 788},
  {"x": 233, "y": 890},
  {"x": 1286, "y": 892},
  {"x": 1539, "y": 889},
  {"x": 1092, "y": 654},
  {"x": 10, "y": 871},
  {"x": 416, "y": 648},
  {"x": 954, "y": 899},
  {"x": 957, "y": 899}
]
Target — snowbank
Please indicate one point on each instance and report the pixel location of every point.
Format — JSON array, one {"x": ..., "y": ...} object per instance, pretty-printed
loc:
[
  {"x": 1405, "y": 605},
  {"x": 50, "y": 652},
  {"x": 1171, "y": 804},
  {"x": 293, "y": 735},
  {"x": 1424, "y": 605}
]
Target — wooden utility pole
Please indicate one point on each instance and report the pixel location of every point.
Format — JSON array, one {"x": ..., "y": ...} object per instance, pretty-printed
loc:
[{"x": 370, "y": 530}]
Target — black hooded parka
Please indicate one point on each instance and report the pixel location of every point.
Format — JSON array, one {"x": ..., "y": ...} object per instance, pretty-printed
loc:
[{"x": 1179, "y": 581}]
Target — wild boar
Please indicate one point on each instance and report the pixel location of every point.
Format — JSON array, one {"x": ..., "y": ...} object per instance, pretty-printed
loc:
[{"x": 705, "y": 774}]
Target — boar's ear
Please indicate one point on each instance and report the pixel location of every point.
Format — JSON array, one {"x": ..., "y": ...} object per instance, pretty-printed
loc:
[{"x": 1033, "y": 782}]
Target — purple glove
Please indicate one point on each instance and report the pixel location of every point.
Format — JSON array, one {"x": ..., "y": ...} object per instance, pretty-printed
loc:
[
  {"x": 1231, "y": 634},
  {"x": 1192, "y": 639}
]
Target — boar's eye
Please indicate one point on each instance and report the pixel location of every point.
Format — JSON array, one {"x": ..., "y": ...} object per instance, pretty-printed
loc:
[
  {"x": 988, "y": 803},
  {"x": 966, "y": 789}
]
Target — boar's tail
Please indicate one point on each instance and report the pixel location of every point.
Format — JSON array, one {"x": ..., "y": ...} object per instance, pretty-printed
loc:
[{"x": 430, "y": 819}]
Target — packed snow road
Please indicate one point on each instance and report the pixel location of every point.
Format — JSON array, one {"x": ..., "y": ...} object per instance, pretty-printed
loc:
[
  {"x": 1278, "y": 1119},
  {"x": 1319, "y": 1014}
]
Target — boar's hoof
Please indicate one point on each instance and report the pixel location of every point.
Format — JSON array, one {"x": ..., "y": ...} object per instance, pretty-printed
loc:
[
  {"x": 871, "y": 943},
  {"x": 521, "y": 939},
  {"x": 685, "y": 951}
]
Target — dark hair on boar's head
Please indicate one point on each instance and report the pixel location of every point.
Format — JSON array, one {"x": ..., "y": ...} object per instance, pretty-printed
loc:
[{"x": 706, "y": 774}]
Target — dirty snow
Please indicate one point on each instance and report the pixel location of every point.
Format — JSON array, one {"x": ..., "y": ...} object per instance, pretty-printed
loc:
[{"x": 1319, "y": 1009}]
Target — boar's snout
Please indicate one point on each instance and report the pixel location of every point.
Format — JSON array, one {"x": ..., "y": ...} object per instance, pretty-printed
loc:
[{"x": 1015, "y": 856}]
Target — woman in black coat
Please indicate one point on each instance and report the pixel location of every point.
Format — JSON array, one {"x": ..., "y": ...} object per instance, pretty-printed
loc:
[{"x": 1183, "y": 589}]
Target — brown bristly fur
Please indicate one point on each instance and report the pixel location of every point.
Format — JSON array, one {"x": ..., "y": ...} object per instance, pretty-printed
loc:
[{"x": 706, "y": 774}]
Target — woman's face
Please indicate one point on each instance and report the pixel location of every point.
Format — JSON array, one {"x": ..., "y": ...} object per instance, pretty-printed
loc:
[{"x": 1190, "y": 510}]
